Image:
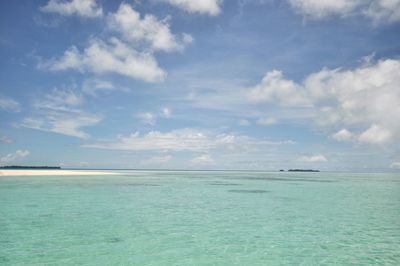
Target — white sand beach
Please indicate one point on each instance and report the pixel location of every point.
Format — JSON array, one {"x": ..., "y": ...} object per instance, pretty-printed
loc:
[{"x": 33, "y": 172}]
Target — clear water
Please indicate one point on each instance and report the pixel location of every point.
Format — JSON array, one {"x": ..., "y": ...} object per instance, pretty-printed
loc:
[{"x": 201, "y": 218}]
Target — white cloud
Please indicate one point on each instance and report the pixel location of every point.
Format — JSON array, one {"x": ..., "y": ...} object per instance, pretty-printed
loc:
[
  {"x": 379, "y": 11},
  {"x": 208, "y": 7},
  {"x": 92, "y": 87},
  {"x": 376, "y": 134},
  {"x": 60, "y": 99},
  {"x": 82, "y": 8},
  {"x": 58, "y": 112},
  {"x": 395, "y": 165},
  {"x": 265, "y": 121},
  {"x": 366, "y": 99},
  {"x": 156, "y": 160},
  {"x": 9, "y": 105},
  {"x": 64, "y": 124},
  {"x": 318, "y": 9},
  {"x": 343, "y": 135},
  {"x": 166, "y": 112},
  {"x": 132, "y": 54},
  {"x": 384, "y": 11},
  {"x": 274, "y": 88},
  {"x": 149, "y": 31},
  {"x": 111, "y": 57},
  {"x": 147, "y": 118},
  {"x": 187, "y": 38},
  {"x": 5, "y": 139},
  {"x": 150, "y": 118},
  {"x": 244, "y": 122},
  {"x": 313, "y": 158},
  {"x": 203, "y": 160},
  {"x": 11, "y": 157},
  {"x": 185, "y": 140}
]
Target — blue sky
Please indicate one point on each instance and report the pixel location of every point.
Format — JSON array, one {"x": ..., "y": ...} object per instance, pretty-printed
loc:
[{"x": 207, "y": 84}]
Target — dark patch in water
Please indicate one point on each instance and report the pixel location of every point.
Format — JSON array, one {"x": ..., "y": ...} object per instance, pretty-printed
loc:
[
  {"x": 294, "y": 184},
  {"x": 196, "y": 177},
  {"x": 283, "y": 179},
  {"x": 114, "y": 240},
  {"x": 46, "y": 215},
  {"x": 3, "y": 259},
  {"x": 224, "y": 184},
  {"x": 142, "y": 185},
  {"x": 286, "y": 198},
  {"x": 5, "y": 242},
  {"x": 32, "y": 205},
  {"x": 248, "y": 191}
]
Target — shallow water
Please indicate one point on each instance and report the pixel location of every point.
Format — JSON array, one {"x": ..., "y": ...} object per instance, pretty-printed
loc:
[{"x": 201, "y": 218}]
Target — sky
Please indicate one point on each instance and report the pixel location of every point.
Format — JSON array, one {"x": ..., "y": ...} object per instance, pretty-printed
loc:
[{"x": 205, "y": 84}]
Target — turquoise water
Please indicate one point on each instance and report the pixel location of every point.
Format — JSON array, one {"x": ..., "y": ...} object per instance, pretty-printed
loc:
[{"x": 201, "y": 218}]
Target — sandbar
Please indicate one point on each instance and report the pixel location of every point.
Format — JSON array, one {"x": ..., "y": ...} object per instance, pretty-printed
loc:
[{"x": 29, "y": 172}]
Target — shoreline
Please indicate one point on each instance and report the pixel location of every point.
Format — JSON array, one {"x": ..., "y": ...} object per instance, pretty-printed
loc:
[{"x": 33, "y": 172}]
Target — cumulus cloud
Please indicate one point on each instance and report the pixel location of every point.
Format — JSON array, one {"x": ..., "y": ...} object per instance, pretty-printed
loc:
[
  {"x": 16, "y": 156},
  {"x": 129, "y": 51},
  {"x": 149, "y": 31},
  {"x": 184, "y": 140},
  {"x": 274, "y": 88},
  {"x": 82, "y": 8},
  {"x": 9, "y": 105},
  {"x": 113, "y": 56},
  {"x": 379, "y": 11},
  {"x": 365, "y": 99},
  {"x": 59, "y": 112},
  {"x": 207, "y": 7},
  {"x": 313, "y": 158},
  {"x": 376, "y": 134},
  {"x": 343, "y": 135}
]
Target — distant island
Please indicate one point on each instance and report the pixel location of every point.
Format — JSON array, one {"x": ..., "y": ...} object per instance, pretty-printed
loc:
[
  {"x": 29, "y": 167},
  {"x": 302, "y": 170}
]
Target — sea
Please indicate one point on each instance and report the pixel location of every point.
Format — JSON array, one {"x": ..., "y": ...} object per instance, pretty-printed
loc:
[{"x": 201, "y": 218}]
